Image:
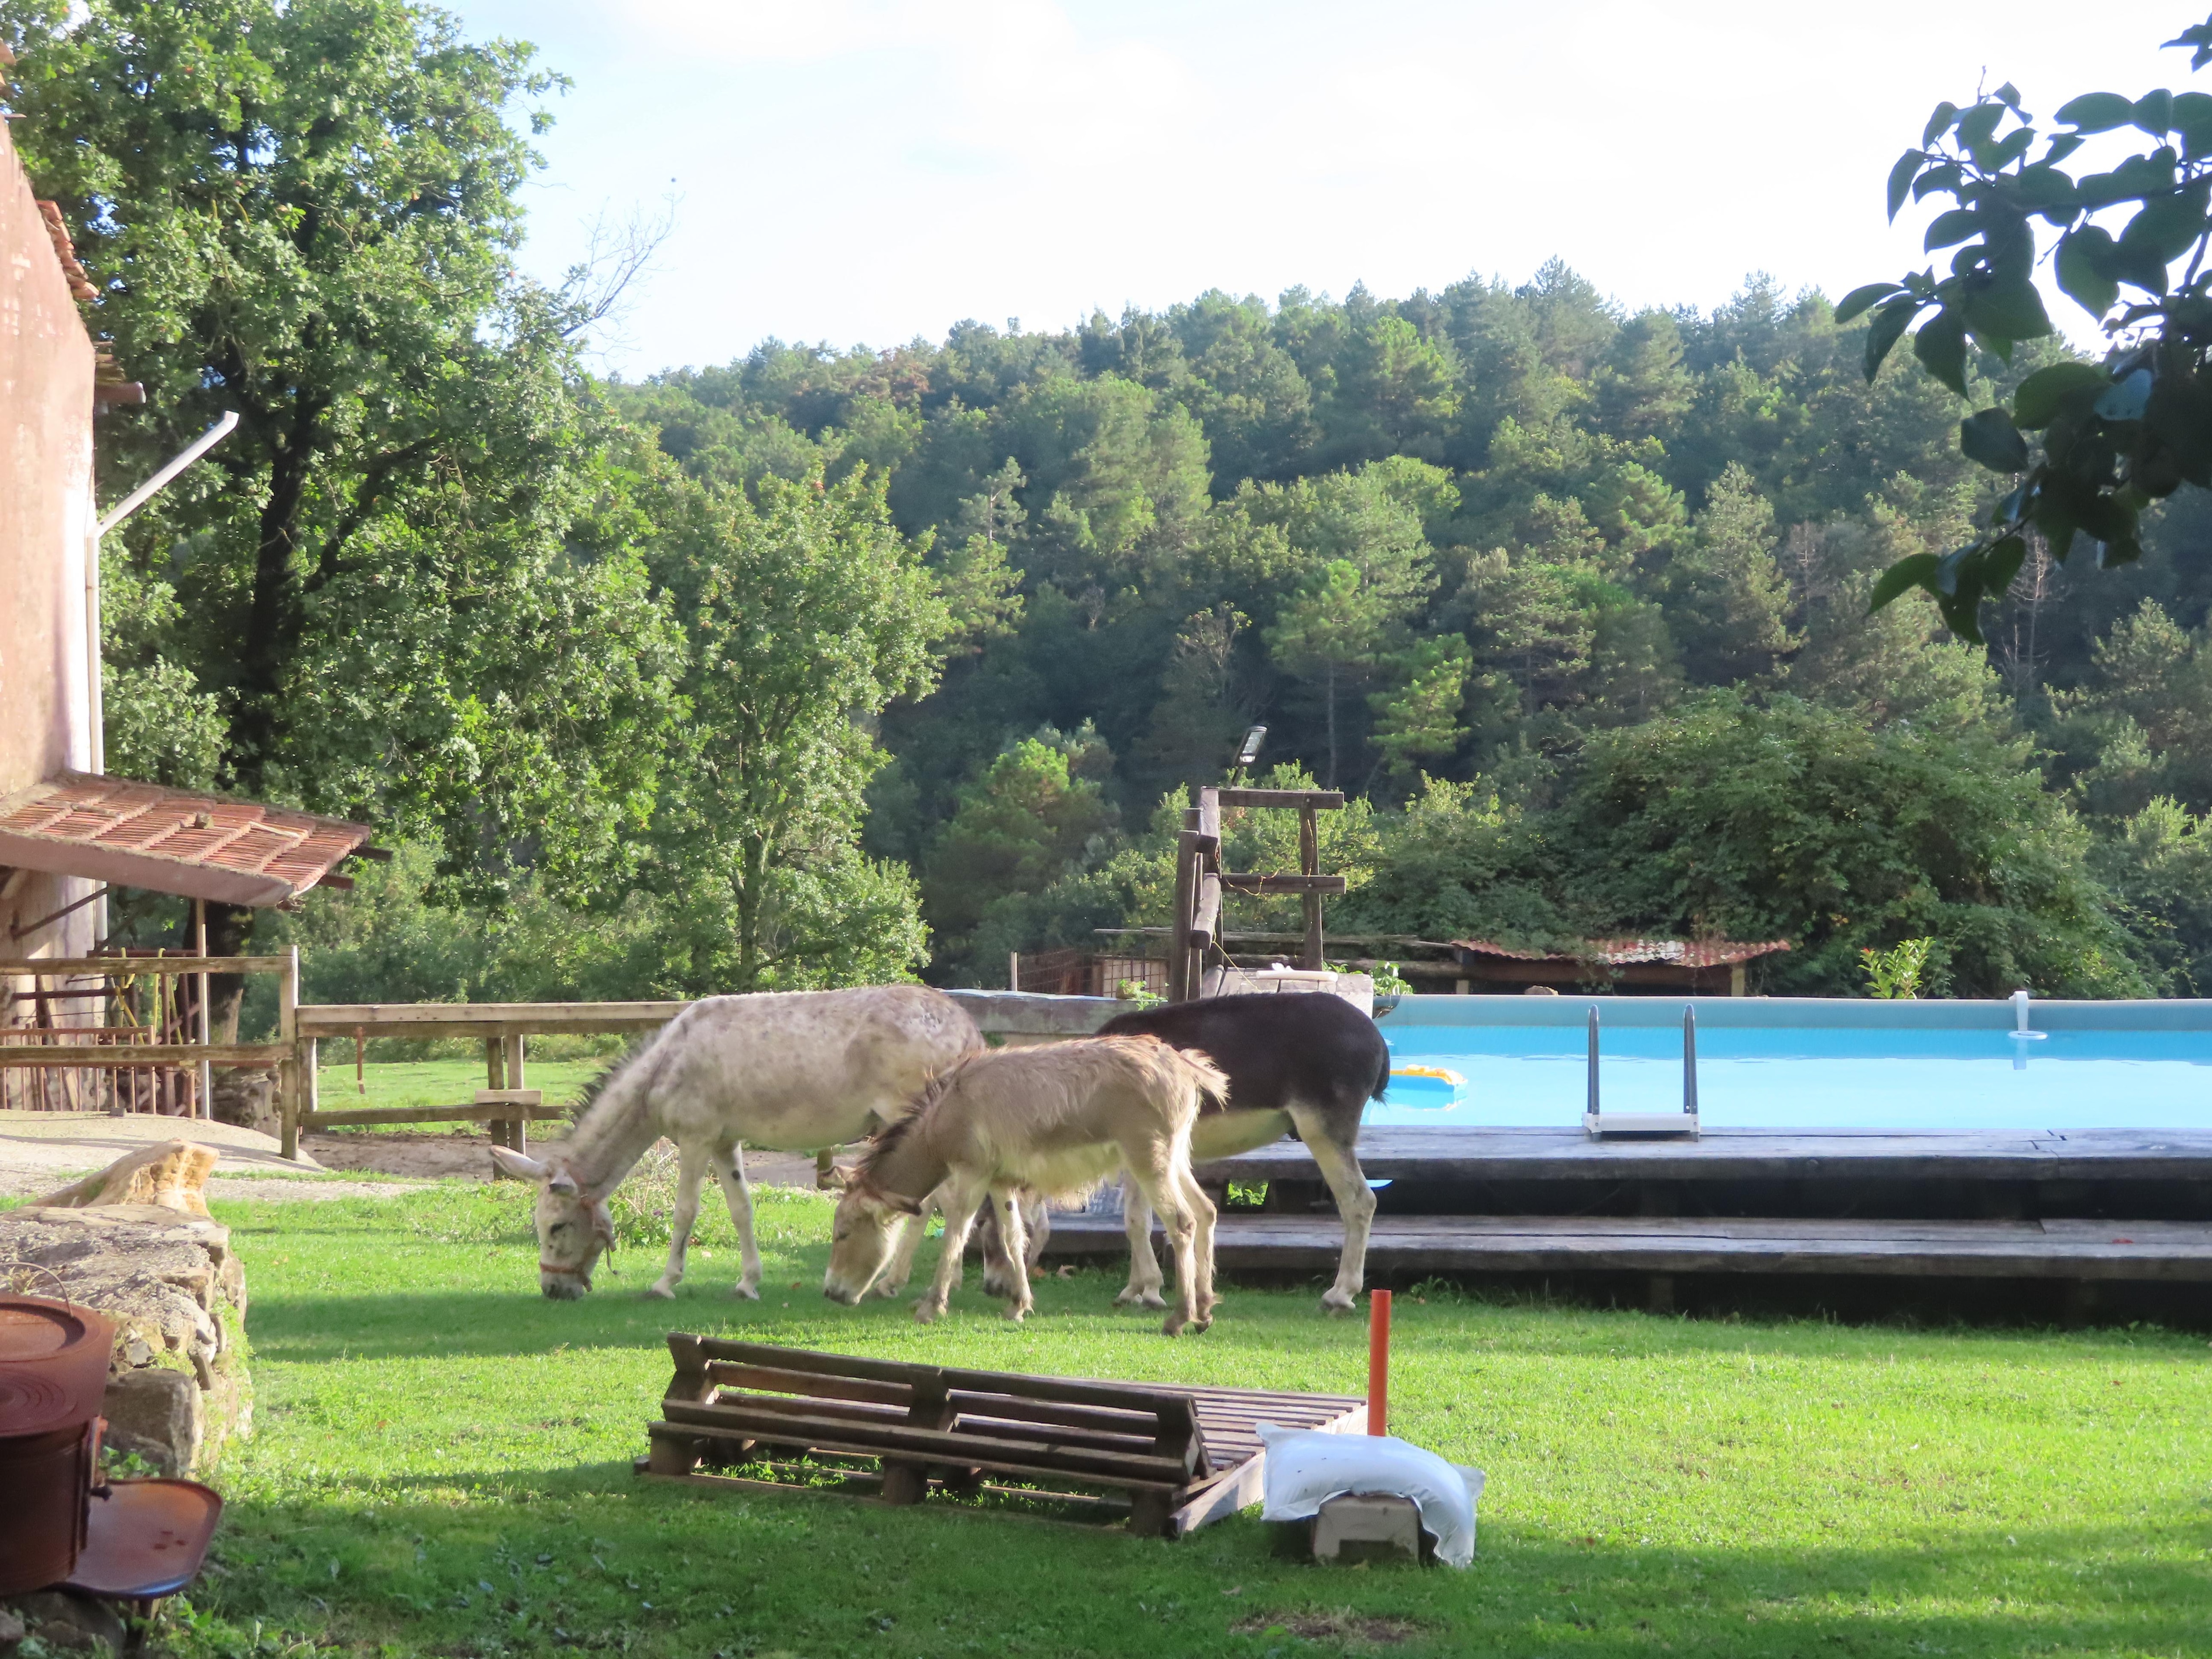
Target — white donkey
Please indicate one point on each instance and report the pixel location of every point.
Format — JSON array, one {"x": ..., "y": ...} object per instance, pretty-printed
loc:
[
  {"x": 1048, "y": 1123},
  {"x": 791, "y": 1071}
]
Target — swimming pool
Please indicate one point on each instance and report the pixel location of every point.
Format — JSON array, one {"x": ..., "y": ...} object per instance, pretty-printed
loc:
[{"x": 1807, "y": 1062}]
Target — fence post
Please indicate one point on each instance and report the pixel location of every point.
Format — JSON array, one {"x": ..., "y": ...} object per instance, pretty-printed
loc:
[
  {"x": 288, "y": 1071},
  {"x": 1185, "y": 899},
  {"x": 206, "y": 1029},
  {"x": 1309, "y": 864},
  {"x": 518, "y": 1126}
]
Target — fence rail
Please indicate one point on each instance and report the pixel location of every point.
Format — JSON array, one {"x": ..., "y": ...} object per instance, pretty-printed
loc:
[{"x": 129, "y": 1056}]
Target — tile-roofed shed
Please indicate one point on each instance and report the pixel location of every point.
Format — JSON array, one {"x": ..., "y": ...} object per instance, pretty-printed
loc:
[
  {"x": 172, "y": 840},
  {"x": 1622, "y": 953},
  {"x": 1663, "y": 965}
]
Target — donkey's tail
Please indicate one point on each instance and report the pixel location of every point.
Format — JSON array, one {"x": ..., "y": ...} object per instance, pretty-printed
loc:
[{"x": 1210, "y": 1080}]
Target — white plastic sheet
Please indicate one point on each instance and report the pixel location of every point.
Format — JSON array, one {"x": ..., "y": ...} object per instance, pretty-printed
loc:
[{"x": 1305, "y": 1468}]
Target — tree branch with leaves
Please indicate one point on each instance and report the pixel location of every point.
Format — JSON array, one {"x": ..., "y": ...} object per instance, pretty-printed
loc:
[{"x": 2088, "y": 446}]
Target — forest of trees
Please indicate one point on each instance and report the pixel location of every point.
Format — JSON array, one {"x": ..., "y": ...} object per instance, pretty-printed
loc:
[
  {"x": 839, "y": 664},
  {"x": 1576, "y": 600}
]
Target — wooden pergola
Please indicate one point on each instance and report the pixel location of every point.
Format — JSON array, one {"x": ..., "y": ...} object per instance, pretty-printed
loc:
[{"x": 1201, "y": 881}]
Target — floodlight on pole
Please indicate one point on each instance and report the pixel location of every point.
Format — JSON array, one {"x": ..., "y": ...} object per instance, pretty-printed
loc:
[{"x": 1249, "y": 750}]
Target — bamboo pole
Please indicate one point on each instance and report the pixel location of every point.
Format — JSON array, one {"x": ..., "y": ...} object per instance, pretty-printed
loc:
[
  {"x": 288, "y": 1071},
  {"x": 207, "y": 1028}
]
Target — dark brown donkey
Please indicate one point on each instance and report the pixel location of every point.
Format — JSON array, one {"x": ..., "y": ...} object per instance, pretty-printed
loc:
[{"x": 1303, "y": 1063}]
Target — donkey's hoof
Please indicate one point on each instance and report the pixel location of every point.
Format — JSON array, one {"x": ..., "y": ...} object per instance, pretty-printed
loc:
[
  {"x": 745, "y": 1292},
  {"x": 1176, "y": 1325},
  {"x": 663, "y": 1290},
  {"x": 1337, "y": 1302},
  {"x": 891, "y": 1293},
  {"x": 925, "y": 1313},
  {"x": 1016, "y": 1312},
  {"x": 1151, "y": 1299}
]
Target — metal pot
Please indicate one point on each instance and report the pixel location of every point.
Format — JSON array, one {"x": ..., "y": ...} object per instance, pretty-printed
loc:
[
  {"x": 53, "y": 1376},
  {"x": 48, "y": 1479},
  {"x": 53, "y": 1365}
]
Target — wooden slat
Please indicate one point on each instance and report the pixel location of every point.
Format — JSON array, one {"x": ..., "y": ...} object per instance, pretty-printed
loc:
[
  {"x": 787, "y": 1405},
  {"x": 1014, "y": 1385},
  {"x": 109, "y": 1056},
  {"x": 128, "y": 966},
  {"x": 1324, "y": 800},
  {"x": 971, "y": 1453},
  {"x": 809, "y": 1362},
  {"x": 900, "y": 1439},
  {"x": 1256, "y": 882},
  {"x": 782, "y": 1380},
  {"x": 482, "y": 1112},
  {"x": 1006, "y": 1428},
  {"x": 1111, "y": 1420},
  {"x": 481, "y": 1019}
]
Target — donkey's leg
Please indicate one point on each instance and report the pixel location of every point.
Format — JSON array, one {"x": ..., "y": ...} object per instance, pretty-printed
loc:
[
  {"x": 996, "y": 1279},
  {"x": 1154, "y": 1169},
  {"x": 1145, "y": 1280},
  {"x": 691, "y": 1163},
  {"x": 1201, "y": 1211},
  {"x": 1325, "y": 1136},
  {"x": 1036, "y": 1217},
  {"x": 960, "y": 1198},
  {"x": 730, "y": 1170},
  {"x": 1007, "y": 1205},
  {"x": 893, "y": 1280}
]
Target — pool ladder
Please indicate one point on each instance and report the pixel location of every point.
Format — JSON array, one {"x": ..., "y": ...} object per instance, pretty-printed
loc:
[{"x": 1684, "y": 1122}]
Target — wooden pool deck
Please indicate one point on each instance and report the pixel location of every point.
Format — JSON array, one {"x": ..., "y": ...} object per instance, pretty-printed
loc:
[
  {"x": 1396, "y": 1152},
  {"x": 2167, "y": 1251},
  {"x": 2086, "y": 1207}
]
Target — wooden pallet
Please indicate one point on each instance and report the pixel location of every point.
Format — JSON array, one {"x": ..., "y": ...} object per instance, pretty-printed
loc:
[{"x": 1171, "y": 1459}]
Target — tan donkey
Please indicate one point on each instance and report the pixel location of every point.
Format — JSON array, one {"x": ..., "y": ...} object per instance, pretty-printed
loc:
[{"x": 1053, "y": 1121}]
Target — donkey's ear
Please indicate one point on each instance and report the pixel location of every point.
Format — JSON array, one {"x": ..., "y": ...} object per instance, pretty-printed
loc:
[{"x": 515, "y": 1163}]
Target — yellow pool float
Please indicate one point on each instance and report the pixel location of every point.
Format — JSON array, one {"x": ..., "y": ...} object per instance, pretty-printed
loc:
[{"x": 1442, "y": 1074}]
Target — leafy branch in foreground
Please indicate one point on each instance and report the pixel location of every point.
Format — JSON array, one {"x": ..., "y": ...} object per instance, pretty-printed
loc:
[{"x": 2116, "y": 435}]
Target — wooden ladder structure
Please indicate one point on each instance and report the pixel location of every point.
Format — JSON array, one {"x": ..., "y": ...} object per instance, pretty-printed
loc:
[{"x": 1199, "y": 880}]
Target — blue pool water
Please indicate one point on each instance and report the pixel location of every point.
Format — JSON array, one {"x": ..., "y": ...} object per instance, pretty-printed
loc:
[{"x": 1861, "y": 1066}]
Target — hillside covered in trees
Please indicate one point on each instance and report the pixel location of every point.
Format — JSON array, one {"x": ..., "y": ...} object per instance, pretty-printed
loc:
[
  {"x": 836, "y": 664},
  {"x": 1576, "y": 600}
]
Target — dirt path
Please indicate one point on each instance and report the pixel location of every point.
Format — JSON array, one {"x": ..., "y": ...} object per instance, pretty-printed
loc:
[{"x": 42, "y": 1151}]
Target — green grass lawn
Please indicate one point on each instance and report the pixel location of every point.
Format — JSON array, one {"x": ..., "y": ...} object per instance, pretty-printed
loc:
[
  {"x": 439, "y": 1083},
  {"x": 441, "y": 1465}
]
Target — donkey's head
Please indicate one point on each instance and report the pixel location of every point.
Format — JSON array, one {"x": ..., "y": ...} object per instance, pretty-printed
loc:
[
  {"x": 573, "y": 1225},
  {"x": 866, "y": 1229}
]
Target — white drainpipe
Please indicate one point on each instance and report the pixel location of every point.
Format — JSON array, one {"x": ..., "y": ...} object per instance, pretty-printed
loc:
[{"x": 95, "y": 698}]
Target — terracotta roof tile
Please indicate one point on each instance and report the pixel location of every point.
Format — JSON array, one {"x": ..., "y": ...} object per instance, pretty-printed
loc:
[
  {"x": 1622, "y": 953},
  {"x": 172, "y": 840}
]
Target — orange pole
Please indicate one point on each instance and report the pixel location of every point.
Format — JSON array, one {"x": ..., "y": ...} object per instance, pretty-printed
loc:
[{"x": 1378, "y": 1362}]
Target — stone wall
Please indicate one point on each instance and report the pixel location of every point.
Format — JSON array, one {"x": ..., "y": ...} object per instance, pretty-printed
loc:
[{"x": 178, "y": 1385}]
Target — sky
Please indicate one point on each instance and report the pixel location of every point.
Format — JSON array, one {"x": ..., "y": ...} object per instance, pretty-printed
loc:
[{"x": 866, "y": 171}]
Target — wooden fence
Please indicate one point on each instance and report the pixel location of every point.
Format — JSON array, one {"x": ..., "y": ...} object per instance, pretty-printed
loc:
[{"x": 146, "y": 1045}]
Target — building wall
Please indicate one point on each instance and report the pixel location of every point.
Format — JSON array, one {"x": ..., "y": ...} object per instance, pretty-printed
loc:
[{"x": 45, "y": 522}]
